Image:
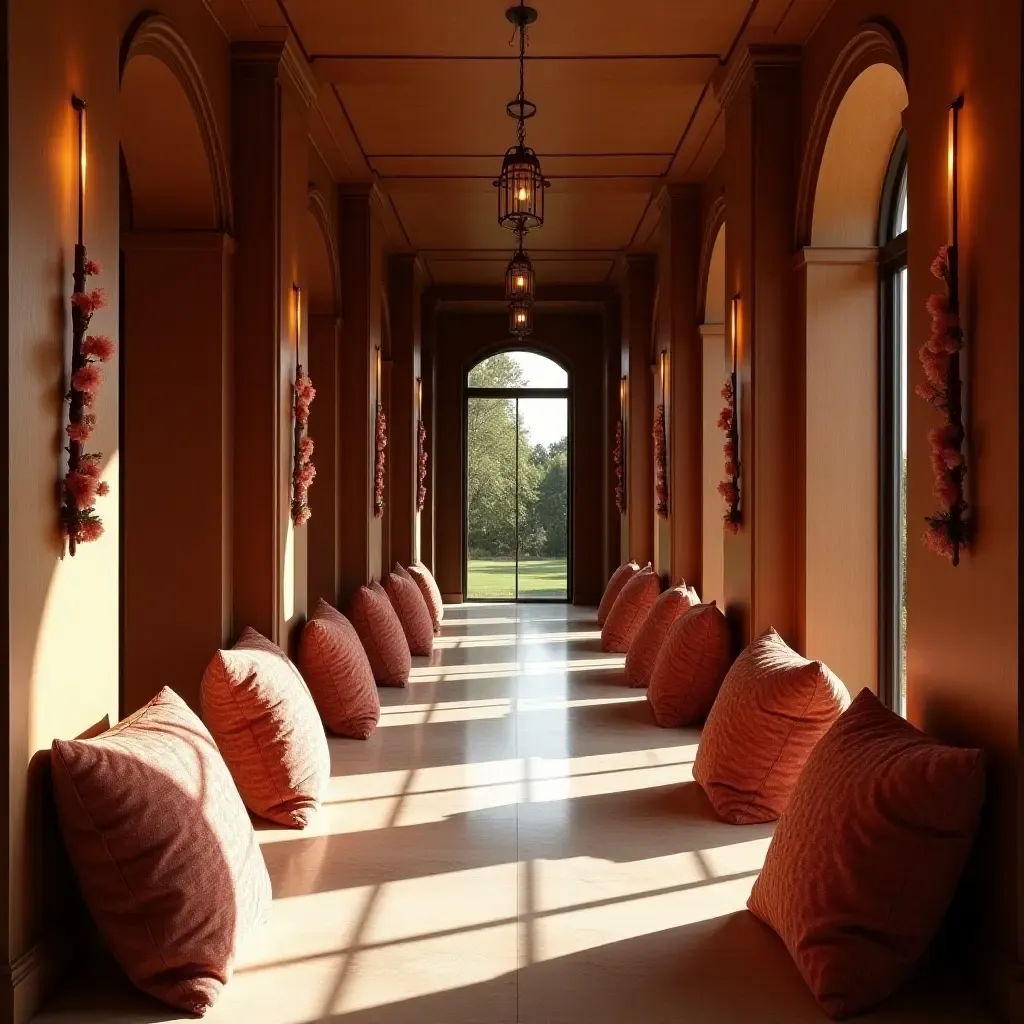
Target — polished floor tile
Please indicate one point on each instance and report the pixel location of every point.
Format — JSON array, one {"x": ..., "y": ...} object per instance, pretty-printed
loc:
[{"x": 517, "y": 842}]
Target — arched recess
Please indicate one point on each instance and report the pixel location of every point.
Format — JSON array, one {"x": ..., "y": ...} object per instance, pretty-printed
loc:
[
  {"x": 176, "y": 296},
  {"x": 713, "y": 372},
  {"x": 322, "y": 271},
  {"x": 854, "y": 130}
]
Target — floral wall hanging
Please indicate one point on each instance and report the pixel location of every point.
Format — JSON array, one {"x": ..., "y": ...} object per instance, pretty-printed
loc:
[
  {"x": 660, "y": 470},
  {"x": 304, "y": 471},
  {"x": 948, "y": 531},
  {"x": 421, "y": 463},
  {"x": 729, "y": 488},
  {"x": 617, "y": 462},
  {"x": 379, "y": 462},
  {"x": 81, "y": 485}
]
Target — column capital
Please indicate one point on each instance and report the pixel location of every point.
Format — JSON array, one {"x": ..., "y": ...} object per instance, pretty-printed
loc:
[
  {"x": 749, "y": 64},
  {"x": 275, "y": 55}
]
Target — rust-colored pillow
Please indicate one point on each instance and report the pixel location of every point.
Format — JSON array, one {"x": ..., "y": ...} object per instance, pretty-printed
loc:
[
  {"x": 163, "y": 850},
  {"x": 619, "y": 579},
  {"x": 865, "y": 860},
  {"x": 431, "y": 594},
  {"x": 381, "y": 634},
  {"x": 400, "y": 570},
  {"x": 631, "y": 608},
  {"x": 412, "y": 613},
  {"x": 643, "y": 651},
  {"x": 690, "y": 668},
  {"x": 265, "y": 722},
  {"x": 772, "y": 708},
  {"x": 338, "y": 674}
]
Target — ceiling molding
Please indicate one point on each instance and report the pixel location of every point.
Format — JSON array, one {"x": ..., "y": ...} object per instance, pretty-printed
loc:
[{"x": 747, "y": 62}]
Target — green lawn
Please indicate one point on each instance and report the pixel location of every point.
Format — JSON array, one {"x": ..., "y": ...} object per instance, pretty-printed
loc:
[{"x": 495, "y": 578}]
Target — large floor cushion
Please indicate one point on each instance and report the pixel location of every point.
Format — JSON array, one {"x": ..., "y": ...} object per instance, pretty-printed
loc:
[
  {"x": 381, "y": 634},
  {"x": 424, "y": 579},
  {"x": 690, "y": 668},
  {"x": 643, "y": 651},
  {"x": 631, "y": 608},
  {"x": 865, "y": 860},
  {"x": 619, "y": 579},
  {"x": 267, "y": 727},
  {"x": 163, "y": 850},
  {"x": 412, "y": 612},
  {"x": 773, "y": 707},
  {"x": 338, "y": 674}
]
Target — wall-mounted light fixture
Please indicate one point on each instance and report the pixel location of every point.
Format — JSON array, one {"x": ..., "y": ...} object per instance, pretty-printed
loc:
[
  {"x": 622, "y": 396},
  {"x": 378, "y": 359},
  {"x": 730, "y": 488},
  {"x": 664, "y": 375},
  {"x": 83, "y": 160},
  {"x": 419, "y": 398}
]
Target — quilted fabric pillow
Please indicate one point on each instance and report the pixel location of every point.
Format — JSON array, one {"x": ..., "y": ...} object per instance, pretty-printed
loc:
[
  {"x": 163, "y": 850},
  {"x": 772, "y": 708},
  {"x": 412, "y": 613},
  {"x": 690, "y": 668},
  {"x": 643, "y": 651},
  {"x": 428, "y": 588},
  {"x": 865, "y": 860},
  {"x": 631, "y": 608},
  {"x": 381, "y": 634},
  {"x": 619, "y": 579},
  {"x": 338, "y": 673},
  {"x": 265, "y": 722}
]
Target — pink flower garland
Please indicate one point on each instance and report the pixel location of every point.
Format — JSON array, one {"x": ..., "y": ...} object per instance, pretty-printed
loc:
[
  {"x": 421, "y": 462},
  {"x": 947, "y": 532},
  {"x": 617, "y": 452},
  {"x": 729, "y": 488},
  {"x": 82, "y": 485},
  {"x": 660, "y": 476},
  {"x": 304, "y": 471},
  {"x": 379, "y": 462}
]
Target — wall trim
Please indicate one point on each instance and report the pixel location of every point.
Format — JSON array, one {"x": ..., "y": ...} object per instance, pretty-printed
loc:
[
  {"x": 715, "y": 222},
  {"x": 28, "y": 980},
  {"x": 876, "y": 42},
  {"x": 835, "y": 256},
  {"x": 318, "y": 208},
  {"x": 155, "y": 36}
]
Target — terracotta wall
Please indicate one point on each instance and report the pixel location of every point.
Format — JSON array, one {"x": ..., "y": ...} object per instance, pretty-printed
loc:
[{"x": 463, "y": 338}]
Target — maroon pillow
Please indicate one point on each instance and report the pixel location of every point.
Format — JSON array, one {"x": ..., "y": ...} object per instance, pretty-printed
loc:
[{"x": 381, "y": 634}]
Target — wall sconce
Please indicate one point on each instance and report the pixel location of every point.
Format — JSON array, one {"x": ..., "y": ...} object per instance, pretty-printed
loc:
[
  {"x": 83, "y": 160},
  {"x": 297, "y": 304},
  {"x": 664, "y": 376},
  {"x": 378, "y": 359},
  {"x": 729, "y": 421},
  {"x": 953, "y": 186},
  {"x": 419, "y": 398}
]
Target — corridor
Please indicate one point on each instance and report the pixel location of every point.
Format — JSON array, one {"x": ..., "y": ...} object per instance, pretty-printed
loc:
[{"x": 516, "y": 843}]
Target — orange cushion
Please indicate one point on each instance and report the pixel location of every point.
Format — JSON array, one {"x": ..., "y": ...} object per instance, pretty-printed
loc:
[
  {"x": 338, "y": 674},
  {"x": 631, "y": 608},
  {"x": 619, "y": 579},
  {"x": 412, "y": 613},
  {"x": 772, "y": 708},
  {"x": 163, "y": 850},
  {"x": 864, "y": 862},
  {"x": 643, "y": 651},
  {"x": 690, "y": 668},
  {"x": 265, "y": 722},
  {"x": 381, "y": 634},
  {"x": 431, "y": 594}
]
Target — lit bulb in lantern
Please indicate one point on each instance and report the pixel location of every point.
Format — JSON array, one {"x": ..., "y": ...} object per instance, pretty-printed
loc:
[
  {"x": 520, "y": 282},
  {"x": 521, "y": 318},
  {"x": 522, "y": 195}
]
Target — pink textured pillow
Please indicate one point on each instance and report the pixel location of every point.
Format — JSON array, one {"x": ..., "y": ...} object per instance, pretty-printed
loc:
[
  {"x": 431, "y": 594},
  {"x": 381, "y": 634},
  {"x": 772, "y": 708},
  {"x": 631, "y": 608},
  {"x": 336, "y": 669},
  {"x": 400, "y": 570},
  {"x": 690, "y": 668},
  {"x": 865, "y": 860},
  {"x": 265, "y": 722},
  {"x": 163, "y": 850},
  {"x": 619, "y": 579},
  {"x": 412, "y": 612},
  {"x": 643, "y": 651}
]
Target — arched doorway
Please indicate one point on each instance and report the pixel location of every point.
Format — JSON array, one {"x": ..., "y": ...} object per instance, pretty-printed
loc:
[
  {"x": 853, "y": 554},
  {"x": 518, "y": 471},
  {"x": 175, "y": 429}
]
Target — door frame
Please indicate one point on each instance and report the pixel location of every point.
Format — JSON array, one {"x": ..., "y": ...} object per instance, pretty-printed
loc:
[{"x": 565, "y": 393}]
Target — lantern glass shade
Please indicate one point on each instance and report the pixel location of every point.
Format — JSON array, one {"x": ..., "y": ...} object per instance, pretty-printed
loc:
[
  {"x": 520, "y": 190},
  {"x": 519, "y": 279},
  {"x": 520, "y": 318}
]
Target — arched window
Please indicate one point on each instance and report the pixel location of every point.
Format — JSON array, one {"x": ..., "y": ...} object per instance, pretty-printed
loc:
[
  {"x": 893, "y": 228},
  {"x": 518, "y": 460}
]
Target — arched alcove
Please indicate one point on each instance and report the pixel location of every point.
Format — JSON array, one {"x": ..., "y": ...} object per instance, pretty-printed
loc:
[
  {"x": 176, "y": 298},
  {"x": 854, "y": 132}
]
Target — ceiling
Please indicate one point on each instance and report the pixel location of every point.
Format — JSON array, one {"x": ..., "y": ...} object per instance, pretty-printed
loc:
[{"x": 413, "y": 95}]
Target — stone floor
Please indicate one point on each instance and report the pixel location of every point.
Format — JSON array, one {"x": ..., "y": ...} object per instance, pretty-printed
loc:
[{"x": 516, "y": 843}]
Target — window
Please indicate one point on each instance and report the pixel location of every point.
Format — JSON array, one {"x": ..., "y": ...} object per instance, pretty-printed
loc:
[{"x": 893, "y": 432}]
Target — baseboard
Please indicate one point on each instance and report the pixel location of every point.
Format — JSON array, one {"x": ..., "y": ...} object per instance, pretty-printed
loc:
[
  {"x": 452, "y": 598},
  {"x": 26, "y": 982}
]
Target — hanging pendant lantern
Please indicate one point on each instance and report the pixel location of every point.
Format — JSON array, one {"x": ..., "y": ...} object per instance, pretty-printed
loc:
[
  {"x": 521, "y": 183},
  {"x": 520, "y": 318},
  {"x": 519, "y": 280}
]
